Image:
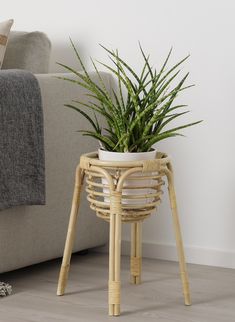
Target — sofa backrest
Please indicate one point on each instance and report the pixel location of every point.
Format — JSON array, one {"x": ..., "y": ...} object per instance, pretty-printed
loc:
[{"x": 28, "y": 50}]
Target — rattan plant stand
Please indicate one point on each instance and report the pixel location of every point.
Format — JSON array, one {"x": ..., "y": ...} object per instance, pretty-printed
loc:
[{"x": 125, "y": 192}]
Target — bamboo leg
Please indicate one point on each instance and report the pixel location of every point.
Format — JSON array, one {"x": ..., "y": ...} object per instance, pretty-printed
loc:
[
  {"x": 114, "y": 264},
  {"x": 136, "y": 252},
  {"x": 70, "y": 233},
  {"x": 111, "y": 259},
  {"x": 117, "y": 262},
  {"x": 179, "y": 241},
  {"x": 115, "y": 253},
  {"x": 133, "y": 250}
]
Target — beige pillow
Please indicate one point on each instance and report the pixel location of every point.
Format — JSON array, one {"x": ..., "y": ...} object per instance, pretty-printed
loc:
[{"x": 5, "y": 28}]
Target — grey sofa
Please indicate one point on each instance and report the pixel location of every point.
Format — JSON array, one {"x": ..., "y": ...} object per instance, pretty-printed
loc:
[{"x": 32, "y": 234}]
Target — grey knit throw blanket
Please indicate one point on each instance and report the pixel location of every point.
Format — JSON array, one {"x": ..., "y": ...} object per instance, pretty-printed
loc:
[{"x": 22, "y": 164}]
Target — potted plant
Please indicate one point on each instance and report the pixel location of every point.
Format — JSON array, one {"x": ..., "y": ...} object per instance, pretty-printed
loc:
[{"x": 137, "y": 112}]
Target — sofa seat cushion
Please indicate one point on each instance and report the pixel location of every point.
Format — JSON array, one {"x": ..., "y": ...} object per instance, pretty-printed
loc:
[
  {"x": 28, "y": 50},
  {"x": 5, "y": 28}
]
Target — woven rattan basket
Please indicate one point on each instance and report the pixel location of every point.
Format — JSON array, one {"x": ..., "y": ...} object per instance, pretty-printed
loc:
[{"x": 135, "y": 188}]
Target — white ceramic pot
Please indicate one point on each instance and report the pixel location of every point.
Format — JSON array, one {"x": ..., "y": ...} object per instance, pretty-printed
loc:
[
  {"x": 129, "y": 156},
  {"x": 126, "y": 156}
]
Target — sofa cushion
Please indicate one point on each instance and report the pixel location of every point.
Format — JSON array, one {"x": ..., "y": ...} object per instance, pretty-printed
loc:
[
  {"x": 5, "y": 28},
  {"x": 28, "y": 50}
]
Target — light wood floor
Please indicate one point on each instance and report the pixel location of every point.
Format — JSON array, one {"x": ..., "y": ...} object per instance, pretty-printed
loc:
[{"x": 158, "y": 298}]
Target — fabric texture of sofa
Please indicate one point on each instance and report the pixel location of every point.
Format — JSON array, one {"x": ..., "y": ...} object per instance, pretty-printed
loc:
[
  {"x": 32, "y": 234},
  {"x": 28, "y": 50}
]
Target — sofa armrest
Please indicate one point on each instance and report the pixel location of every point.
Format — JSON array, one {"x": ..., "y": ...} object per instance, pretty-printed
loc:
[
  {"x": 46, "y": 225},
  {"x": 63, "y": 148}
]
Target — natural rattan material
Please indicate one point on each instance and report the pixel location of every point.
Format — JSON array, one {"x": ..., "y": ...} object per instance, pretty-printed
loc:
[
  {"x": 123, "y": 192},
  {"x": 140, "y": 182},
  {"x": 135, "y": 265},
  {"x": 114, "y": 292}
]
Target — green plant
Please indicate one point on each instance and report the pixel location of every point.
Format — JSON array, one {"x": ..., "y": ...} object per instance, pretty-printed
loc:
[{"x": 138, "y": 111}]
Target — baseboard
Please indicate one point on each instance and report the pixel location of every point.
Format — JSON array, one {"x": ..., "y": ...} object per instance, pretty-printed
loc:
[{"x": 194, "y": 255}]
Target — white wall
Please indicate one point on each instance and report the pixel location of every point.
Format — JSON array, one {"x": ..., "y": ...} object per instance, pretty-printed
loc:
[{"x": 204, "y": 161}]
